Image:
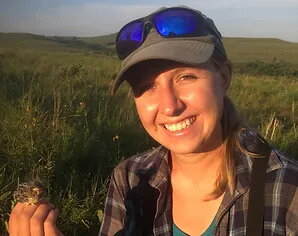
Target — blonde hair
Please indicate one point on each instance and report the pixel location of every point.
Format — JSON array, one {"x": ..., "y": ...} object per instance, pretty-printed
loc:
[
  {"x": 232, "y": 128},
  {"x": 231, "y": 125}
]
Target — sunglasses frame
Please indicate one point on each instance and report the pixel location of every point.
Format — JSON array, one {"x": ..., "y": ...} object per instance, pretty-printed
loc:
[{"x": 149, "y": 21}]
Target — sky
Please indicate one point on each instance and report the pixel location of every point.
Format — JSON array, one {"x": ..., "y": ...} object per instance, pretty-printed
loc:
[{"x": 233, "y": 18}]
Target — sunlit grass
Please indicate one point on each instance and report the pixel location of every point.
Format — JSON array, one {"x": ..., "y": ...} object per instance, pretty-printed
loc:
[{"x": 58, "y": 122}]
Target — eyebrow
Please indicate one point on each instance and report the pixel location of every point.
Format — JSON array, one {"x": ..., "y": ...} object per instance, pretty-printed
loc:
[{"x": 179, "y": 70}]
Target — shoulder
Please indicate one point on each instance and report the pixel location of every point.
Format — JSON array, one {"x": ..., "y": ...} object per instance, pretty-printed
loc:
[
  {"x": 282, "y": 187},
  {"x": 281, "y": 182},
  {"x": 286, "y": 166},
  {"x": 138, "y": 161},
  {"x": 285, "y": 169},
  {"x": 129, "y": 170}
]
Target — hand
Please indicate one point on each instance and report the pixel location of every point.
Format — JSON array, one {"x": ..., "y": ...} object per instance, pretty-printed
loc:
[{"x": 34, "y": 220}]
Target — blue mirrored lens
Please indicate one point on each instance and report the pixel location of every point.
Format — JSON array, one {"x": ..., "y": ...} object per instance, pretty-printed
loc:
[
  {"x": 130, "y": 37},
  {"x": 132, "y": 32},
  {"x": 177, "y": 22}
]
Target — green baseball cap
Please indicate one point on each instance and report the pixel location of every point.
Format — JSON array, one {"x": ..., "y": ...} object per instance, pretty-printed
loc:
[{"x": 186, "y": 50}]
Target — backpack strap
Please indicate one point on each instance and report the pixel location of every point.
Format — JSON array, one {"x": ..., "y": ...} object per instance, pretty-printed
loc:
[
  {"x": 140, "y": 205},
  {"x": 256, "y": 144},
  {"x": 255, "y": 212}
]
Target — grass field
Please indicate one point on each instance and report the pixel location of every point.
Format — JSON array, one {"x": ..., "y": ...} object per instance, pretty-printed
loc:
[
  {"x": 268, "y": 50},
  {"x": 29, "y": 41},
  {"x": 59, "y": 123}
]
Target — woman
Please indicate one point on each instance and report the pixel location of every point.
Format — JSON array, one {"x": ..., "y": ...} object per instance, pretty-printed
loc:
[{"x": 199, "y": 181}]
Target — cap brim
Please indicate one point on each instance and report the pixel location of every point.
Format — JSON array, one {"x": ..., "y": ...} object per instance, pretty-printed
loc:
[{"x": 191, "y": 52}]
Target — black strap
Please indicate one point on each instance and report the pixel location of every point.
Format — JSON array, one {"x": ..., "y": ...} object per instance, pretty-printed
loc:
[
  {"x": 255, "y": 213},
  {"x": 140, "y": 205}
]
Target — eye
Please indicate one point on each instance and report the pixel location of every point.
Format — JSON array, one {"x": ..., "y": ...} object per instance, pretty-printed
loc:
[
  {"x": 144, "y": 88},
  {"x": 147, "y": 87},
  {"x": 187, "y": 77}
]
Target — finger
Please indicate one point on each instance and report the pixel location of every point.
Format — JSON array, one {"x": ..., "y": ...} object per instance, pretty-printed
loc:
[
  {"x": 38, "y": 218},
  {"x": 50, "y": 228},
  {"x": 13, "y": 219},
  {"x": 24, "y": 219}
]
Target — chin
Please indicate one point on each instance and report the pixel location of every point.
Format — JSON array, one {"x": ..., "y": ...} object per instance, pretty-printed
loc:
[
  {"x": 192, "y": 145},
  {"x": 183, "y": 148}
]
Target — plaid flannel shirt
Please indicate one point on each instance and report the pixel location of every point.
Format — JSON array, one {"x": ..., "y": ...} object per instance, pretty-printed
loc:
[{"x": 281, "y": 197}]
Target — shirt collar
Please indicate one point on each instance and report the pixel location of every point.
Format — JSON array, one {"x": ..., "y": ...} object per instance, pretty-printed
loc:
[
  {"x": 156, "y": 165},
  {"x": 244, "y": 168}
]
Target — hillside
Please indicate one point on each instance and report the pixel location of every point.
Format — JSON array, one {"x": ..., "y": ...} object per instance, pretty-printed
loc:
[
  {"x": 30, "y": 41},
  {"x": 49, "y": 43},
  {"x": 240, "y": 50},
  {"x": 268, "y": 50},
  {"x": 106, "y": 40}
]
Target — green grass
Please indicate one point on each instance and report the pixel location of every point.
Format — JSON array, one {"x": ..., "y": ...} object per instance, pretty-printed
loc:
[
  {"x": 269, "y": 104},
  {"x": 29, "y": 41},
  {"x": 241, "y": 50},
  {"x": 106, "y": 40},
  {"x": 24, "y": 41},
  {"x": 59, "y": 123}
]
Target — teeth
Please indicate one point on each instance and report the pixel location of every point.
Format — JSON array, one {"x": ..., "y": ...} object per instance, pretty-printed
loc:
[
  {"x": 181, "y": 125},
  {"x": 187, "y": 122}
]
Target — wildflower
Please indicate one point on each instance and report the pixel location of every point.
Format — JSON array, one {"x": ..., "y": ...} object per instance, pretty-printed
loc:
[{"x": 115, "y": 138}]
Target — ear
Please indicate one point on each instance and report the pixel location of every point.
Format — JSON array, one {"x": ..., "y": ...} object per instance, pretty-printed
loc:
[{"x": 225, "y": 69}]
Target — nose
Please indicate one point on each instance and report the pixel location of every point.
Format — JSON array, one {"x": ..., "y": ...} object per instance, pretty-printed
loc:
[{"x": 169, "y": 102}]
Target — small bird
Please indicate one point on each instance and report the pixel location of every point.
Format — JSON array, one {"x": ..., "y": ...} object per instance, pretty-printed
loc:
[{"x": 30, "y": 192}]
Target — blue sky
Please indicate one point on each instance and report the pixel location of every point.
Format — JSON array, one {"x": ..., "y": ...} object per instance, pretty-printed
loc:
[{"x": 234, "y": 18}]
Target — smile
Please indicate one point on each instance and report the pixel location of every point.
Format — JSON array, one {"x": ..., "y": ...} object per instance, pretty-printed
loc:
[{"x": 181, "y": 125}]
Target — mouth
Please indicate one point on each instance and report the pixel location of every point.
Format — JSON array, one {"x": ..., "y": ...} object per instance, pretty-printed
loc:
[{"x": 182, "y": 125}]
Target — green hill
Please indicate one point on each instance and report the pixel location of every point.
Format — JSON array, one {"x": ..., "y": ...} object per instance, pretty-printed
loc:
[
  {"x": 240, "y": 50},
  {"x": 29, "y": 41},
  {"x": 49, "y": 43},
  {"x": 106, "y": 40},
  {"x": 269, "y": 50}
]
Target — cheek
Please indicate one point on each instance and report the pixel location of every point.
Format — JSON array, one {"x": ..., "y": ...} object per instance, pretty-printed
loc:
[
  {"x": 147, "y": 110},
  {"x": 204, "y": 99}
]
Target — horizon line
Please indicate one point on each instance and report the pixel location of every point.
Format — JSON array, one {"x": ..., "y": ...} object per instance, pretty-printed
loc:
[{"x": 94, "y": 36}]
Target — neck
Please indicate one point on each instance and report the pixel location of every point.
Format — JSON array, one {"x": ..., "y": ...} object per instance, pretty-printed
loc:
[{"x": 197, "y": 168}]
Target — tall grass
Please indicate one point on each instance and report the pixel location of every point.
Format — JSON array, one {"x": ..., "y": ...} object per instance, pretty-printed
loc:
[
  {"x": 59, "y": 123},
  {"x": 270, "y": 105}
]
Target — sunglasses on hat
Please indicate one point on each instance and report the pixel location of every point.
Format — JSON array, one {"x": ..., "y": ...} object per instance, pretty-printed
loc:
[{"x": 169, "y": 23}]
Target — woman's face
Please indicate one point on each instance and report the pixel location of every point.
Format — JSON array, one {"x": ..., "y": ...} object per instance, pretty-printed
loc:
[{"x": 180, "y": 107}]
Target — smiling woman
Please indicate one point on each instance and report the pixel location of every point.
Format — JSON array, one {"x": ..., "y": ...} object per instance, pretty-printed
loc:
[
  {"x": 181, "y": 107},
  {"x": 211, "y": 175},
  {"x": 205, "y": 176}
]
